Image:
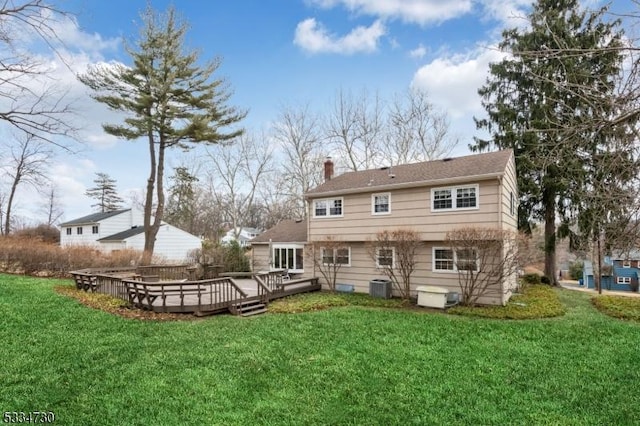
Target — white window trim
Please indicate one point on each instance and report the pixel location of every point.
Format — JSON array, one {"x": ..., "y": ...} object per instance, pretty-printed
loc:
[
  {"x": 455, "y": 261},
  {"x": 623, "y": 280},
  {"x": 626, "y": 264},
  {"x": 393, "y": 257},
  {"x": 69, "y": 231},
  {"x": 322, "y": 249},
  {"x": 288, "y": 246},
  {"x": 373, "y": 203},
  {"x": 454, "y": 198},
  {"x": 328, "y": 215},
  {"x": 79, "y": 230}
]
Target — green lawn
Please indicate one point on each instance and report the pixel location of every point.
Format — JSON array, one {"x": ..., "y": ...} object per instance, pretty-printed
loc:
[{"x": 346, "y": 365}]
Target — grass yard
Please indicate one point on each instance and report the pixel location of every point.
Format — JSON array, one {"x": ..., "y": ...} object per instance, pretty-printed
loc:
[{"x": 345, "y": 365}]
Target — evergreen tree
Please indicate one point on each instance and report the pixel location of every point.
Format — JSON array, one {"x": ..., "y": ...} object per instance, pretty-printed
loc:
[
  {"x": 181, "y": 205},
  {"x": 545, "y": 100},
  {"x": 171, "y": 101},
  {"x": 105, "y": 193}
]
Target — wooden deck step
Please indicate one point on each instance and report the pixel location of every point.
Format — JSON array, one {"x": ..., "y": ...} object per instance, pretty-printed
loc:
[{"x": 249, "y": 308}]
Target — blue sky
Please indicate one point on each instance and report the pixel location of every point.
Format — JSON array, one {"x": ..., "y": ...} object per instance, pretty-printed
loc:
[{"x": 286, "y": 52}]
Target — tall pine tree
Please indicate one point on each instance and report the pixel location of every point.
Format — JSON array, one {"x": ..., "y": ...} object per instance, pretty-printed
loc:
[
  {"x": 541, "y": 101},
  {"x": 171, "y": 101},
  {"x": 105, "y": 193}
]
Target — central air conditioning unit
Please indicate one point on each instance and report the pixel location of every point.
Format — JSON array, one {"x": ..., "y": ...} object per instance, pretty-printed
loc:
[{"x": 380, "y": 288}]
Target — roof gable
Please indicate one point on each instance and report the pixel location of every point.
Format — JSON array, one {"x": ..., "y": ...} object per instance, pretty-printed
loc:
[
  {"x": 417, "y": 174},
  {"x": 94, "y": 217}
]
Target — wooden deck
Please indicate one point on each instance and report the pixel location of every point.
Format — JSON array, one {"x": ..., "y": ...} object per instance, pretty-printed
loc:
[{"x": 199, "y": 297}]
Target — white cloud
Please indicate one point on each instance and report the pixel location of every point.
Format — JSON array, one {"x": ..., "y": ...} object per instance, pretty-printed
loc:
[
  {"x": 511, "y": 13},
  {"x": 418, "y": 52},
  {"x": 313, "y": 37},
  {"x": 415, "y": 11},
  {"x": 453, "y": 82}
]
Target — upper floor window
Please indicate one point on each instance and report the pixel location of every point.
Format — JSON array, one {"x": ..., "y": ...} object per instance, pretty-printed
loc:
[
  {"x": 79, "y": 230},
  {"x": 94, "y": 229},
  {"x": 626, "y": 264},
  {"x": 385, "y": 258},
  {"x": 461, "y": 197},
  {"x": 381, "y": 203},
  {"x": 69, "y": 231},
  {"x": 327, "y": 208},
  {"x": 336, "y": 256}
]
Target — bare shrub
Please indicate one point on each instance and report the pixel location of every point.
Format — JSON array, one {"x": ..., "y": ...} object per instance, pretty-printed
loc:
[
  {"x": 484, "y": 258},
  {"x": 32, "y": 256},
  {"x": 395, "y": 254},
  {"x": 328, "y": 256}
]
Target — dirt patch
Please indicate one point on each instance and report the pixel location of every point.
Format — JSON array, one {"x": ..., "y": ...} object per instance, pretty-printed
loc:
[{"x": 119, "y": 307}]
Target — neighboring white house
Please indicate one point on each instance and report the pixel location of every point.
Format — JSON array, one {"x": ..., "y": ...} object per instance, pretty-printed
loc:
[
  {"x": 245, "y": 236},
  {"x": 123, "y": 229}
]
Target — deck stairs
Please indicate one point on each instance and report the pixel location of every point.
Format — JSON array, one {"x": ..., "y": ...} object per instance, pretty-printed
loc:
[{"x": 248, "y": 308}]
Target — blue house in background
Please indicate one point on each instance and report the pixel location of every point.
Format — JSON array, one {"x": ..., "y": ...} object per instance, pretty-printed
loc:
[{"x": 625, "y": 272}]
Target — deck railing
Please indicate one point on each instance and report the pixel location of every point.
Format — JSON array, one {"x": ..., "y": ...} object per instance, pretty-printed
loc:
[{"x": 185, "y": 296}]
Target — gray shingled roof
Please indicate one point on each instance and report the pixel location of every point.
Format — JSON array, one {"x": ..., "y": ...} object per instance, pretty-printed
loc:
[
  {"x": 287, "y": 231},
  {"x": 488, "y": 164},
  {"x": 93, "y": 218},
  {"x": 124, "y": 234}
]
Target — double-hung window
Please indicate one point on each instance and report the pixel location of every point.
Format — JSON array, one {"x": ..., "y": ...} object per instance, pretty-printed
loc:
[
  {"x": 623, "y": 280},
  {"x": 454, "y": 198},
  {"x": 336, "y": 256},
  {"x": 385, "y": 258},
  {"x": 381, "y": 203},
  {"x": 327, "y": 208},
  {"x": 446, "y": 259},
  {"x": 79, "y": 230},
  {"x": 68, "y": 231}
]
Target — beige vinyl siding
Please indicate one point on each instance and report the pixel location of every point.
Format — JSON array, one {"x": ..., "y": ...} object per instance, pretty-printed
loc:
[
  {"x": 410, "y": 208},
  {"x": 260, "y": 257},
  {"x": 363, "y": 270},
  {"x": 509, "y": 186}
]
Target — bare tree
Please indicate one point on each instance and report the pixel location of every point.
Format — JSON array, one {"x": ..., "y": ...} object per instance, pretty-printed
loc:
[
  {"x": 354, "y": 127},
  {"x": 416, "y": 130},
  {"x": 328, "y": 257},
  {"x": 298, "y": 133},
  {"x": 237, "y": 173},
  {"x": 485, "y": 258},
  {"x": 30, "y": 100},
  {"x": 51, "y": 206},
  {"x": 395, "y": 254},
  {"x": 27, "y": 161}
]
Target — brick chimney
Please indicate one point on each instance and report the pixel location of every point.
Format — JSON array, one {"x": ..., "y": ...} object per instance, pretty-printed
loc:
[{"x": 328, "y": 169}]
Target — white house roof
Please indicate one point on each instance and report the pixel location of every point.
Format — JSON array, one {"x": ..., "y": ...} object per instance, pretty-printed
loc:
[{"x": 94, "y": 218}]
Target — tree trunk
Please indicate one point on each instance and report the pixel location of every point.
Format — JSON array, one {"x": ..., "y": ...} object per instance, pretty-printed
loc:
[
  {"x": 149, "y": 235},
  {"x": 550, "y": 236}
]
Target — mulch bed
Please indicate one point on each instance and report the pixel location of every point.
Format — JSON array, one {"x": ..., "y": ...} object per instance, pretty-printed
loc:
[{"x": 119, "y": 307}]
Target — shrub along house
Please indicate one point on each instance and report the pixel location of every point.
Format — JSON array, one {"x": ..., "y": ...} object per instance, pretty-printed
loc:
[
  {"x": 431, "y": 198},
  {"x": 123, "y": 229}
]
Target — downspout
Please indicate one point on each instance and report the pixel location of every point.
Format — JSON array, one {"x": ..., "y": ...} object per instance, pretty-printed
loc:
[{"x": 500, "y": 224}]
